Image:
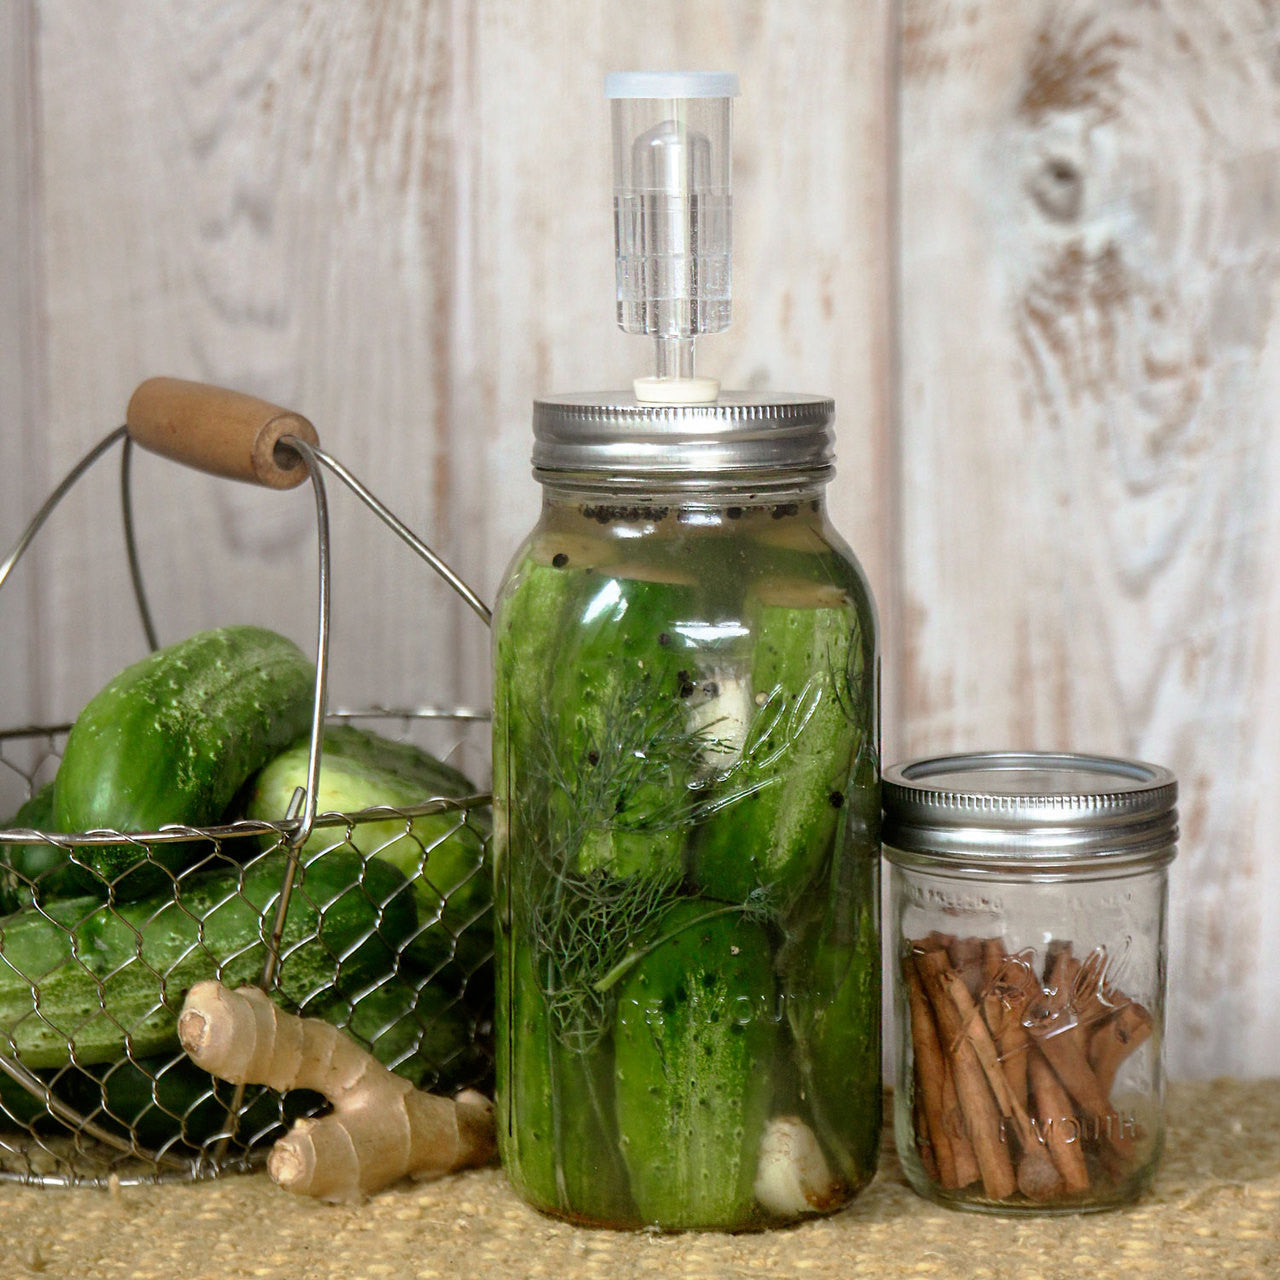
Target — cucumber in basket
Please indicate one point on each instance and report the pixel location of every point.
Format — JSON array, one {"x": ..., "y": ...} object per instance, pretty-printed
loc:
[
  {"x": 441, "y": 856},
  {"x": 88, "y": 982},
  {"x": 172, "y": 738},
  {"x": 39, "y": 871}
]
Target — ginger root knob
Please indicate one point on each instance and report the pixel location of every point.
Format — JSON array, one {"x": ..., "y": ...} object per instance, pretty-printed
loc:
[{"x": 381, "y": 1128}]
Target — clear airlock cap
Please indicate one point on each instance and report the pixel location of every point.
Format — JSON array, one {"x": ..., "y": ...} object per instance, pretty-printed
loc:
[{"x": 673, "y": 218}]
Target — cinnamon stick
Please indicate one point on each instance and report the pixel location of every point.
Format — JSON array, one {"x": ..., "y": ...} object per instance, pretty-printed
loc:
[
  {"x": 923, "y": 1143},
  {"x": 994, "y": 1009},
  {"x": 967, "y": 1171},
  {"x": 1036, "y": 1175},
  {"x": 977, "y": 1104},
  {"x": 1090, "y": 996},
  {"x": 966, "y": 1163},
  {"x": 930, "y": 1074},
  {"x": 1062, "y": 1039},
  {"x": 1015, "y": 985},
  {"x": 1053, "y": 1110},
  {"x": 967, "y": 957},
  {"x": 1115, "y": 1040}
]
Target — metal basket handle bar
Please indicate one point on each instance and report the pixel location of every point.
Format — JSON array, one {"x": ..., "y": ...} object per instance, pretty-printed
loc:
[
  {"x": 131, "y": 546},
  {"x": 401, "y": 530},
  {"x": 46, "y": 509}
]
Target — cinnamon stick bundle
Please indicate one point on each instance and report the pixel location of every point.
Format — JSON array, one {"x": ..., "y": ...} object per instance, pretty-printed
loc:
[{"x": 1013, "y": 1070}]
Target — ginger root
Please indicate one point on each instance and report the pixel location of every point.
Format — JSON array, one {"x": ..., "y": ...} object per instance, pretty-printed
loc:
[{"x": 381, "y": 1128}]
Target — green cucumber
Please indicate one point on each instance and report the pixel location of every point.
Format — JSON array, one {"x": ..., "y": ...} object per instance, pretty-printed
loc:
[
  {"x": 526, "y": 619},
  {"x": 167, "y": 1099},
  {"x": 694, "y": 1046},
  {"x": 376, "y": 754},
  {"x": 621, "y": 744},
  {"x": 421, "y": 1031},
  {"x": 555, "y": 569},
  {"x": 442, "y": 856},
  {"x": 832, "y": 1010},
  {"x": 87, "y": 982},
  {"x": 829, "y": 967},
  {"x": 599, "y": 755},
  {"x": 172, "y": 738},
  {"x": 557, "y": 1132},
  {"x": 773, "y": 814},
  {"x": 39, "y": 871}
]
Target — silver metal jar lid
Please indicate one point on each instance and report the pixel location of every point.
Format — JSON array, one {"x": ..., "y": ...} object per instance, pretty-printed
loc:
[
  {"x": 617, "y": 435},
  {"x": 1025, "y": 812}
]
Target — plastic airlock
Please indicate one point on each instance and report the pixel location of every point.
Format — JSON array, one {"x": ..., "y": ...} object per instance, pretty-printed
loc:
[{"x": 673, "y": 219}]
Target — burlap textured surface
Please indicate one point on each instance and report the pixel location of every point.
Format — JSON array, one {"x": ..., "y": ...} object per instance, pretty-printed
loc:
[{"x": 1214, "y": 1213}]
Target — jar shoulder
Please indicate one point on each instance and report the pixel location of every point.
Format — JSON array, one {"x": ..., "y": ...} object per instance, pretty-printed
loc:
[{"x": 716, "y": 559}]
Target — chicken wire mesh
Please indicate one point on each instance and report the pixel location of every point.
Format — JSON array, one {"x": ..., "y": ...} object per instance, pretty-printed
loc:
[{"x": 377, "y": 920}]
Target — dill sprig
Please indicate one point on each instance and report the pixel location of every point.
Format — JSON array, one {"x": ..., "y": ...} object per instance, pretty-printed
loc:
[
  {"x": 618, "y": 776},
  {"x": 613, "y": 787}
]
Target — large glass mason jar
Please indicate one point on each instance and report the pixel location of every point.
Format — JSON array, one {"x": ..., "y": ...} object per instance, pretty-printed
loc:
[{"x": 687, "y": 803}]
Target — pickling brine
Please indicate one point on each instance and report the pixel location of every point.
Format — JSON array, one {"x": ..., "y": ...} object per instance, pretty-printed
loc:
[{"x": 687, "y": 804}]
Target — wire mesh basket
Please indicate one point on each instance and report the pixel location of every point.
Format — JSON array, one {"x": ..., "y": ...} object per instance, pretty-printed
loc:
[{"x": 93, "y": 1085}]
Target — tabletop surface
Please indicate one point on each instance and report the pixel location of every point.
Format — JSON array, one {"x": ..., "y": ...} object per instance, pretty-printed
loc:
[{"x": 1214, "y": 1212}]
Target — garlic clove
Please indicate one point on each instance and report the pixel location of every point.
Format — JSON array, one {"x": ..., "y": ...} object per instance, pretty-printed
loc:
[{"x": 793, "y": 1177}]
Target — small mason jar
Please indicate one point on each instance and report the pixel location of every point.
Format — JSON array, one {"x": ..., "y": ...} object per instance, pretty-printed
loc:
[
  {"x": 686, "y": 823},
  {"x": 1028, "y": 897}
]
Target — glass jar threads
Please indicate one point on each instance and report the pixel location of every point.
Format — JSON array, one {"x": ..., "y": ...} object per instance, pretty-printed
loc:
[
  {"x": 1028, "y": 898},
  {"x": 687, "y": 805}
]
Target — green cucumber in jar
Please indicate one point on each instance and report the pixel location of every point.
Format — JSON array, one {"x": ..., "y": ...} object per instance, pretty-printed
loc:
[
  {"x": 598, "y": 843},
  {"x": 557, "y": 1132},
  {"x": 829, "y": 966},
  {"x": 695, "y": 1040},
  {"x": 171, "y": 739},
  {"x": 526, "y": 624},
  {"x": 553, "y": 1069},
  {"x": 623, "y": 753},
  {"x": 773, "y": 813},
  {"x": 556, "y": 569}
]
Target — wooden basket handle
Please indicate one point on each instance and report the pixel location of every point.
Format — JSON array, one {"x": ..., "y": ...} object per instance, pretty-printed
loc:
[{"x": 225, "y": 433}]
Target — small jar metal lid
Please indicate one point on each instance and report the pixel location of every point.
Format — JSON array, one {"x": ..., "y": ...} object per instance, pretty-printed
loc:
[
  {"x": 617, "y": 435},
  {"x": 1028, "y": 812}
]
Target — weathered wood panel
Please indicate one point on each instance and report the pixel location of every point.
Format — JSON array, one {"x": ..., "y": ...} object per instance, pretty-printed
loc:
[
  {"x": 253, "y": 194},
  {"x": 1089, "y": 217},
  {"x": 396, "y": 218},
  {"x": 21, "y": 358}
]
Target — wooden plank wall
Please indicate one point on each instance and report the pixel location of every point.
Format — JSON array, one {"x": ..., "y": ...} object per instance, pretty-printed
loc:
[
  {"x": 21, "y": 354},
  {"x": 1028, "y": 249},
  {"x": 1090, "y": 196}
]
